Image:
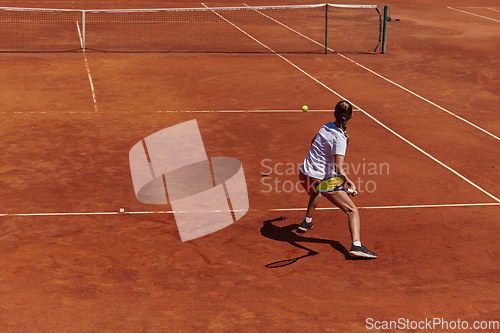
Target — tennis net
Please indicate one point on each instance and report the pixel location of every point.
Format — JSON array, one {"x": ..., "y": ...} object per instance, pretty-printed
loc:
[{"x": 281, "y": 29}]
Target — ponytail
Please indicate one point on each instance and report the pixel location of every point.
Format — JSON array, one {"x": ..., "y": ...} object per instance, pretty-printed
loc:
[
  {"x": 344, "y": 128},
  {"x": 343, "y": 112}
]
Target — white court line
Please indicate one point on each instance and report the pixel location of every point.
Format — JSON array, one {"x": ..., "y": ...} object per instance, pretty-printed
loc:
[
  {"x": 248, "y": 111},
  {"x": 390, "y": 81},
  {"x": 366, "y": 113},
  {"x": 485, "y": 204},
  {"x": 474, "y": 7},
  {"x": 423, "y": 98},
  {"x": 497, "y": 9},
  {"x": 176, "y": 111},
  {"x": 481, "y": 16},
  {"x": 393, "y": 207},
  {"x": 284, "y": 25},
  {"x": 87, "y": 66}
]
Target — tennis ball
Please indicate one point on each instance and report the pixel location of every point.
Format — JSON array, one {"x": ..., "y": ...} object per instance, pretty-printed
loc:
[{"x": 305, "y": 108}]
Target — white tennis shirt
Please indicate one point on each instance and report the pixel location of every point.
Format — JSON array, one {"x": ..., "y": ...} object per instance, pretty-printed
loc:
[{"x": 320, "y": 162}]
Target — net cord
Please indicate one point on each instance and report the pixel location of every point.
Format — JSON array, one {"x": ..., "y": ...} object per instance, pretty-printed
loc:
[{"x": 184, "y": 9}]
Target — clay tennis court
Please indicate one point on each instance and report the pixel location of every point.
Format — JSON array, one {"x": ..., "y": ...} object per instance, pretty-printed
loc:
[{"x": 424, "y": 149}]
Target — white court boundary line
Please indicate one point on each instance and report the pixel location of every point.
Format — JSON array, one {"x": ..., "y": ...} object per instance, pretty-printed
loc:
[
  {"x": 247, "y": 111},
  {"x": 175, "y": 111},
  {"x": 87, "y": 66},
  {"x": 472, "y": 7},
  {"x": 485, "y": 204},
  {"x": 423, "y": 98},
  {"x": 481, "y": 16},
  {"x": 390, "y": 81},
  {"x": 396, "y": 207},
  {"x": 301, "y": 209},
  {"x": 366, "y": 113}
]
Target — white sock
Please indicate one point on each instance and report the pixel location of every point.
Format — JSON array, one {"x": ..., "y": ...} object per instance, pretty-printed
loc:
[
  {"x": 356, "y": 243},
  {"x": 308, "y": 219}
]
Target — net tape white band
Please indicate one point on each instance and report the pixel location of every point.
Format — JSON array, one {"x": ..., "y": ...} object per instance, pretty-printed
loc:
[{"x": 187, "y": 9}]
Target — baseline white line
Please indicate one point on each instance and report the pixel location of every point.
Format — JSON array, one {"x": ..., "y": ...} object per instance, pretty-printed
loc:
[
  {"x": 485, "y": 204},
  {"x": 388, "y": 80},
  {"x": 393, "y": 207},
  {"x": 494, "y": 9},
  {"x": 87, "y": 66},
  {"x": 366, "y": 113},
  {"x": 481, "y": 16}
]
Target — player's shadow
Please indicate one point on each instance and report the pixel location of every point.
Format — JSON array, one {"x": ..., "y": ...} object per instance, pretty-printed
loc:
[{"x": 288, "y": 234}]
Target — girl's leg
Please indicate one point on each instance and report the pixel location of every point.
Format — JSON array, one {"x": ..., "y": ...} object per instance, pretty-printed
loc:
[
  {"x": 314, "y": 197},
  {"x": 344, "y": 202},
  {"x": 313, "y": 203}
]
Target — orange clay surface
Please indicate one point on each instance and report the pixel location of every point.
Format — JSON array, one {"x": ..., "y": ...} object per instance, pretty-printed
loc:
[{"x": 131, "y": 272}]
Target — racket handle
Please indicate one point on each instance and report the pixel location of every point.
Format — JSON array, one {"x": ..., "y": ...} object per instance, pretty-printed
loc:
[{"x": 351, "y": 192}]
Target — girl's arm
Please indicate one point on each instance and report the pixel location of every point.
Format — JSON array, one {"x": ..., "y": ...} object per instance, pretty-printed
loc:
[
  {"x": 339, "y": 163},
  {"x": 312, "y": 141}
]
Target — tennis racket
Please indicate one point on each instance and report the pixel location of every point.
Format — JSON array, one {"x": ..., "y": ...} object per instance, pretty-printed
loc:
[{"x": 335, "y": 182}]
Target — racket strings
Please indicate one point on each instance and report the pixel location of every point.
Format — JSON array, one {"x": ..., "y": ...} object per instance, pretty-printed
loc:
[
  {"x": 335, "y": 182},
  {"x": 331, "y": 184}
]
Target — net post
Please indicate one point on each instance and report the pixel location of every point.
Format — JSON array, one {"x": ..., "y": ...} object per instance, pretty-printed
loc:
[
  {"x": 83, "y": 30},
  {"x": 326, "y": 28},
  {"x": 384, "y": 33}
]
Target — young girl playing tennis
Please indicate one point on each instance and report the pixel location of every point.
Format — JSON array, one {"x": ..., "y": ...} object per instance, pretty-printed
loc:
[{"x": 326, "y": 157}]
